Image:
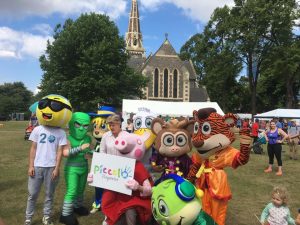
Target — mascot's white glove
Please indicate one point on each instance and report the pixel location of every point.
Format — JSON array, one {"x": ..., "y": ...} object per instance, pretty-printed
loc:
[
  {"x": 147, "y": 189},
  {"x": 132, "y": 184},
  {"x": 90, "y": 178},
  {"x": 144, "y": 190}
]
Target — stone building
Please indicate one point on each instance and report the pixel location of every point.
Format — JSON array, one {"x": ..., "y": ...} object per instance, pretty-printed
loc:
[{"x": 171, "y": 79}]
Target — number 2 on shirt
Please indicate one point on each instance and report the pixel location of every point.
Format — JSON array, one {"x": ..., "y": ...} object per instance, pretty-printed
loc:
[{"x": 44, "y": 136}]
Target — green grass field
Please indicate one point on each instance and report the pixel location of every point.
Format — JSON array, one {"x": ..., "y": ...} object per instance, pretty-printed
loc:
[{"x": 250, "y": 186}]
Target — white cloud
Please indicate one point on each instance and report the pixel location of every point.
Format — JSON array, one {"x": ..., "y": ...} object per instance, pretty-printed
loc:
[
  {"x": 43, "y": 28},
  {"x": 17, "y": 8},
  {"x": 16, "y": 44},
  {"x": 198, "y": 10},
  {"x": 7, "y": 54}
]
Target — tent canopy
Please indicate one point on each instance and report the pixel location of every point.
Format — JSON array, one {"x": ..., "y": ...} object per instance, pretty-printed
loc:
[
  {"x": 244, "y": 115},
  {"x": 168, "y": 108},
  {"x": 283, "y": 113}
]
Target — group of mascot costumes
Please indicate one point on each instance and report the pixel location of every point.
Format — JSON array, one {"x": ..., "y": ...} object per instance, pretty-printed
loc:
[{"x": 188, "y": 190}]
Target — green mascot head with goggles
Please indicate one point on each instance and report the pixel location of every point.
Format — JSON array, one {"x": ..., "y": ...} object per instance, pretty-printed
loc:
[
  {"x": 176, "y": 201},
  {"x": 79, "y": 125}
]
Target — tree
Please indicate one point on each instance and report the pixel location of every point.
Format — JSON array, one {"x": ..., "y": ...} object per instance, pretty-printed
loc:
[
  {"x": 87, "y": 63},
  {"x": 215, "y": 61},
  {"x": 260, "y": 25},
  {"x": 15, "y": 97},
  {"x": 250, "y": 30}
]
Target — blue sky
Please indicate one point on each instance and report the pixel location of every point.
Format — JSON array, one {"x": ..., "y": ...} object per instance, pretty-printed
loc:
[{"x": 25, "y": 26}]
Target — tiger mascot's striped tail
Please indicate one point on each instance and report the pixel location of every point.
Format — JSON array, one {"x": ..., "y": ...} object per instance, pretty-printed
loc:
[{"x": 212, "y": 138}]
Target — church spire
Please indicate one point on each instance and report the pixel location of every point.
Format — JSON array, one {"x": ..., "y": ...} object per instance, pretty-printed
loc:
[{"x": 133, "y": 38}]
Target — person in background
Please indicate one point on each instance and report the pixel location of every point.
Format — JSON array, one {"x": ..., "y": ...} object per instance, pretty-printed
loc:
[
  {"x": 278, "y": 123},
  {"x": 33, "y": 121},
  {"x": 254, "y": 130},
  {"x": 129, "y": 127},
  {"x": 245, "y": 123},
  {"x": 273, "y": 136},
  {"x": 267, "y": 127},
  {"x": 239, "y": 123},
  {"x": 277, "y": 211},
  {"x": 285, "y": 126},
  {"x": 294, "y": 134}
]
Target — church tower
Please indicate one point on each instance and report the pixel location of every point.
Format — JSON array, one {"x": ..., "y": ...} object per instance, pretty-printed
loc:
[{"x": 133, "y": 37}]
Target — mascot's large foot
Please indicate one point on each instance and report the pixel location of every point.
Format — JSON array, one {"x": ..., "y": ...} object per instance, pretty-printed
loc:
[
  {"x": 68, "y": 220},
  {"x": 81, "y": 211}
]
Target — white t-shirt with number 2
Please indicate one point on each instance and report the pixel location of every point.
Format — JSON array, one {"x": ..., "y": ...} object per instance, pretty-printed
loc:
[{"x": 48, "y": 139}]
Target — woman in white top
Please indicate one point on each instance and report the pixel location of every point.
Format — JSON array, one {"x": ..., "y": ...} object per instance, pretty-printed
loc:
[{"x": 107, "y": 144}]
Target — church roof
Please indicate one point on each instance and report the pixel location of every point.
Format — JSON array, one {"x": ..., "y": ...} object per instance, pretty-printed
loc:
[
  {"x": 198, "y": 94},
  {"x": 191, "y": 69},
  {"x": 166, "y": 49}
]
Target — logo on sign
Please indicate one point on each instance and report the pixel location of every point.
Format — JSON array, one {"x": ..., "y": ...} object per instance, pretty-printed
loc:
[{"x": 113, "y": 173}]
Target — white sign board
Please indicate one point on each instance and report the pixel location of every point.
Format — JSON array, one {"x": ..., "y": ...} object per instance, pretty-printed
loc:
[{"x": 111, "y": 172}]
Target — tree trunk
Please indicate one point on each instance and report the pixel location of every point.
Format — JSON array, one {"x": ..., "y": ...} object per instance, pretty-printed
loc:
[
  {"x": 253, "y": 98},
  {"x": 289, "y": 93},
  {"x": 252, "y": 84}
]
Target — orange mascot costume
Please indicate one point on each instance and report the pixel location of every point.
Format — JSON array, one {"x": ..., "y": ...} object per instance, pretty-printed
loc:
[{"x": 212, "y": 138}]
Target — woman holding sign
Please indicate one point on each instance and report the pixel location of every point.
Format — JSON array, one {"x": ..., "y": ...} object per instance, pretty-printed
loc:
[{"x": 121, "y": 208}]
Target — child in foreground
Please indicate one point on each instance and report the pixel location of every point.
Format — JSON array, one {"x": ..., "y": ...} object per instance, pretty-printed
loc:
[{"x": 277, "y": 212}]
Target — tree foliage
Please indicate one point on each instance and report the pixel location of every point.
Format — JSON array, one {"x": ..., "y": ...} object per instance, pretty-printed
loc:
[
  {"x": 87, "y": 63},
  {"x": 254, "y": 34},
  {"x": 15, "y": 97},
  {"x": 216, "y": 62}
]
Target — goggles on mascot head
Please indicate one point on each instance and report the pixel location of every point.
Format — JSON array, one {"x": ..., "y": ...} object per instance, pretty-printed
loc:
[
  {"x": 78, "y": 125},
  {"x": 54, "y": 105},
  {"x": 184, "y": 189}
]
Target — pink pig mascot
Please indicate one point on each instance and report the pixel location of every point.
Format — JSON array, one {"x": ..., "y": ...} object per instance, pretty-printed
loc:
[{"x": 135, "y": 209}]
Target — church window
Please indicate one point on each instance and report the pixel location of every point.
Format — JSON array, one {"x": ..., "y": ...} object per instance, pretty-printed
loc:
[
  {"x": 166, "y": 85},
  {"x": 175, "y": 80},
  {"x": 156, "y": 75}
]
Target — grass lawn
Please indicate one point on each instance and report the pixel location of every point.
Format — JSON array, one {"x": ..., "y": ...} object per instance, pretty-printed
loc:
[{"x": 250, "y": 186}]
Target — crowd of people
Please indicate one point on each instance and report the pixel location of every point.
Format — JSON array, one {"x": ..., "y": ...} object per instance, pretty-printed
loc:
[
  {"x": 50, "y": 143},
  {"x": 275, "y": 132}
]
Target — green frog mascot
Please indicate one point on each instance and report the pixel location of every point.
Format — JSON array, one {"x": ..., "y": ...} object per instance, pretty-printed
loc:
[
  {"x": 76, "y": 168},
  {"x": 175, "y": 201}
]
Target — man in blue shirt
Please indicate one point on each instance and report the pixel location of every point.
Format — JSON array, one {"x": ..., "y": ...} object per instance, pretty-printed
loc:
[{"x": 278, "y": 123}]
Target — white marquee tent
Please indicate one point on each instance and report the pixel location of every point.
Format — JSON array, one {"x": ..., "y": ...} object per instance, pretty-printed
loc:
[
  {"x": 283, "y": 113},
  {"x": 244, "y": 115},
  {"x": 167, "y": 108}
]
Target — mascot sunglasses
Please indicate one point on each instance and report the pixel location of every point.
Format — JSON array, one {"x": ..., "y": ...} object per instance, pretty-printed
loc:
[{"x": 55, "y": 106}]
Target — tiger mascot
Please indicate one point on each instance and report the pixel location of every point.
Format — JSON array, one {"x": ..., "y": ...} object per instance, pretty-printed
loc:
[{"x": 212, "y": 138}]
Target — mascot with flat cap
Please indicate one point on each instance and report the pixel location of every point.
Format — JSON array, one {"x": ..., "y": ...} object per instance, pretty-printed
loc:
[
  {"x": 100, "y": 127},
  {"x": 76, "y": 168},
  {"x": 212, "y": 139}
]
